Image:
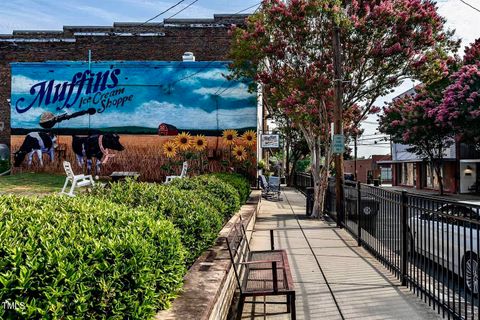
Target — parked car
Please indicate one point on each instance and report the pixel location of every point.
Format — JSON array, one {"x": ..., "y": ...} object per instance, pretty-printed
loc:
[{"x": 449, "y": 236}]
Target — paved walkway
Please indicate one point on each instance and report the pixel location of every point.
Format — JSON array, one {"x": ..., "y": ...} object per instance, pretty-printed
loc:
[{"x": 334, "y": 278}]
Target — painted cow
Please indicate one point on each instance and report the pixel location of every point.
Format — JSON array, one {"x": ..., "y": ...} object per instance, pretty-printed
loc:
[
  {"x": 95, "y": 146},
  {"x": 36, "y": 143}
]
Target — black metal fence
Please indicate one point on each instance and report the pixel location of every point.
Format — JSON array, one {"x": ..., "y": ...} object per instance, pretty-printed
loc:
[
  {"x": 303, "y": 181},
  {"x": 429, "y": 243}
]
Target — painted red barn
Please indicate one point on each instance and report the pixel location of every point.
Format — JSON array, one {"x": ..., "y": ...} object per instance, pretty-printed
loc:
[{"x": 165, "y": 129}]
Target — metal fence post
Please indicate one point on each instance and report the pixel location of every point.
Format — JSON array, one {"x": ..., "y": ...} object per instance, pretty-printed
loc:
[
  {"x": 403, "y": 238},
  {"x": 359, "y": 212}
]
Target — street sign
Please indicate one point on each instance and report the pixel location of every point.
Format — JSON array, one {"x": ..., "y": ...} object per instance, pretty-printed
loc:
[{"x": 338, "y": 143}]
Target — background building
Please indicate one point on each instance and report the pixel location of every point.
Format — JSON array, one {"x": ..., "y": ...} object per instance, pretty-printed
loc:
[
  {"x": 372, "y": 168},
  {"x": 133, "y": 77},
  {"x": 208, "y": 39}
]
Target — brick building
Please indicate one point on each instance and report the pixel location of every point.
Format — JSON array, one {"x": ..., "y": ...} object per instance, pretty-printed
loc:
[
  {"x": 208, "y": 39},
  {"x": 372, "y": 168}
]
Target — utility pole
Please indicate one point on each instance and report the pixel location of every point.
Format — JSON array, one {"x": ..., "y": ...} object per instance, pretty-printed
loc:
[
  {"x": 338, "y": 125},
  {"x": 355, "y": 158}
]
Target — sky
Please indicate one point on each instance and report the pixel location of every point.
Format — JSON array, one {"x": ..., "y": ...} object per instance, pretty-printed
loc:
[{"x": 53, "y": 14}]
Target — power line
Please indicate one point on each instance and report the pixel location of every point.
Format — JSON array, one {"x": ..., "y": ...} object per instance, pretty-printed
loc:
[
  {"x": 373, "y": 136},
  {"x": 369, "y": 122},
  {"x": 29, "y": 47},
  {"x": 255, "y": 5},
  {"x": 210, "y": 62},
  {"x": 468, "y": 4},
  {"x": 180, "y": 11},
  {"x": 163, "y": 12},
  {"x": 224, "y": 89},
  {"x": 95, "y": 41}
]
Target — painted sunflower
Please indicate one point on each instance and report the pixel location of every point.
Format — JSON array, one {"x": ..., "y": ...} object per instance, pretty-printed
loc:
[
  {"x": 170, "y": 149},
  {"x": 229, "y": 136},
  {"x": 240, "y": 153},
  {"x": 183, "y": 141},
  {"x": 199, "y": 142},
  {"x": 249, "y": 137}
]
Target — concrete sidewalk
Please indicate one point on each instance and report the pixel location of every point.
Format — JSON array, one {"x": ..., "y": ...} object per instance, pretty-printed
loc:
[{"x": 334, "y": 278}]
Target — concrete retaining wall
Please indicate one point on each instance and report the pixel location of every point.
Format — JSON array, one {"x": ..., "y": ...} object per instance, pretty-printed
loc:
[{"x": 210, "y": 283}]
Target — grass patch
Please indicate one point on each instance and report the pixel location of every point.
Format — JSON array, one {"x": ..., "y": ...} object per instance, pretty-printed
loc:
[{"x": 31, "y": 183}]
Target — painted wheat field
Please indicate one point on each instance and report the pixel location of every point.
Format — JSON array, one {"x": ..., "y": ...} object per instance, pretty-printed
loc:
[{"x": 142, "y": 154}]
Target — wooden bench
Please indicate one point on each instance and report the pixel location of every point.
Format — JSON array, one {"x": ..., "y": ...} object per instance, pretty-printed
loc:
[{"x": 260, "y": 273}]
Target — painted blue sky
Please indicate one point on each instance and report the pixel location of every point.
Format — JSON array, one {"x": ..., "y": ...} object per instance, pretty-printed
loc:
[{"x": 188, "y": 95}]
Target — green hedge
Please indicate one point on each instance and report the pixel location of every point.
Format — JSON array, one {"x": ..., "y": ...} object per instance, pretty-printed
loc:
[
  {"x": 119, "y": 253},
  {"x": 225, "y": 197},
  {"x": 238, "y": 182},
  {"x": 86, "y": 258},
  {"x": 198, "y": 220}
]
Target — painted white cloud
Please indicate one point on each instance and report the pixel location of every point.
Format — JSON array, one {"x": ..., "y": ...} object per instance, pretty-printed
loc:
[
  {"x": 209, "y": 74},
  {"x": 212, "y": 74},
  {"x": 152, "y": 113},
  {"x": 238, "y": 92},
  {"x": 22, "y": 84},
  {"x": 22, "y": 120}
]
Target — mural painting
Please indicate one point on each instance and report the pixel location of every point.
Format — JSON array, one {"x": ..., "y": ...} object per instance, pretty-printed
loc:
[{"x": 146, "y": 117}]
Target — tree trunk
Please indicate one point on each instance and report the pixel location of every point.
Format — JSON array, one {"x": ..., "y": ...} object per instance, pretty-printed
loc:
[
  {"x": 320, "y": 179},
  {"x": 438, "y": 172},
  {"x": 291, "y": 176},
  {"x": 319, "y": 172}
]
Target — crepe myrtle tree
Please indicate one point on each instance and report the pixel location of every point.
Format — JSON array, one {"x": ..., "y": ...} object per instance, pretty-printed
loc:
[
  {"x": 288, "y": 48},
  {"x": 412, "y": 120},
  {"x": 461, "y": 101}
]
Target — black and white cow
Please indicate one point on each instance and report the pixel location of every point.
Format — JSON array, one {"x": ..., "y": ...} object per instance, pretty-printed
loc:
[
  {"x": 95, "y": 146},
  {"x": 36, "y": 143}
]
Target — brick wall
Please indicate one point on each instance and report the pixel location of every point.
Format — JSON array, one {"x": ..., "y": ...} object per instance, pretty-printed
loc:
[
  {"x": 364, "y": 166},
  {"x": 208, "y": 39}
]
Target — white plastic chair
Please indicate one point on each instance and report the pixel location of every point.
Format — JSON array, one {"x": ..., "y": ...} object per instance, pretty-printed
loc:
[
  {"x": 77, "y": 181},
  {"x": 182, "y": 174}
]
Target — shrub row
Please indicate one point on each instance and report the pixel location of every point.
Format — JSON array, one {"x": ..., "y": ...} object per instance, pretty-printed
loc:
[
  {"x": 118, "y": 253},
  {"x": 225, "y": 198},
  {"x": 198, "y": 221},
  {"x": 85, "y": 258},
  {"x": 238, "y": 182}
]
